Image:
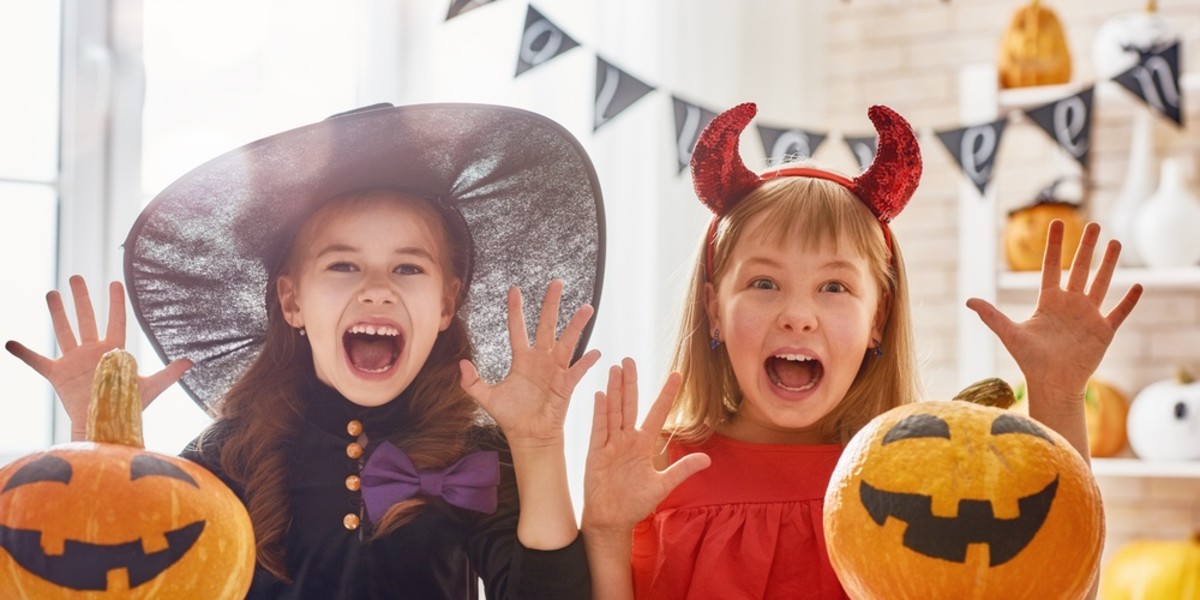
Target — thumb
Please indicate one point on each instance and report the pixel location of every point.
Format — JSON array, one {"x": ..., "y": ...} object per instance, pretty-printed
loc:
[
  {"x": 995, "y": 320},
  {"x": 155, "y": 384},
  {"x": 684, "y": 468}
]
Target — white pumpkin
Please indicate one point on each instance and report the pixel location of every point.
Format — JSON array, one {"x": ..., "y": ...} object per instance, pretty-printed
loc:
[
  {"x": 1164, "y": 420},
  {"x": 1118, "y": 40}
]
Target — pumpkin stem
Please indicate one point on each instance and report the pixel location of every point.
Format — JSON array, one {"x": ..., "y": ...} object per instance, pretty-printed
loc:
[
  {"x": 988, "y": 392},
  {"x": 1184, "y": 375},
  {"x": 1151, "y": 6},
  {"x": 115, "y": 412}
]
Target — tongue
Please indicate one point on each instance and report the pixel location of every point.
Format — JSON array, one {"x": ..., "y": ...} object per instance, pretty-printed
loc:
[
  {"x": 793, "y": 373},
  {"x": 370, "y": 353}
]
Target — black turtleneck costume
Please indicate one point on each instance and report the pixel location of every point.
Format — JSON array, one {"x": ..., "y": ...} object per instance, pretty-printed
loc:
[{"x": 442, "y": 553}]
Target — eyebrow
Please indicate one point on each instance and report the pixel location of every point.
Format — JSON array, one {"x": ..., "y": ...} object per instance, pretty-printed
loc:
[
  {"x": 403, "y": 251},
  {"x": 770, "y": 262}
]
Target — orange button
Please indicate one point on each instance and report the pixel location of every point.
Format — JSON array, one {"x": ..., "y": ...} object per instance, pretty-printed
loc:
[
  {"x": 354, "y": 427},
  {"x": 353, "y": 483},
  {"x": 353, "y": 450},
  {"x": 350, "y": 521}
]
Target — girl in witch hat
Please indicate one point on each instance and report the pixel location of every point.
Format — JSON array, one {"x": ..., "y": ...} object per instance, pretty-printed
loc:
[
  {"x": 796, "y": 332},
  {"x": 335, "y": 296}
]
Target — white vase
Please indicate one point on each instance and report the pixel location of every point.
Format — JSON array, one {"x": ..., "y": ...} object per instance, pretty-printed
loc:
[
  {"x": 1138, "y": 185},
  {"x": 1166, "y": 227}
]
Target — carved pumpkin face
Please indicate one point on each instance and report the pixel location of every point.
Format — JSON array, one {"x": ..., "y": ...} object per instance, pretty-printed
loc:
[
  {"x": 955, "y": 500},
  {"x": 119, "y": 521},
  {"x": 1034, "y": 49}
]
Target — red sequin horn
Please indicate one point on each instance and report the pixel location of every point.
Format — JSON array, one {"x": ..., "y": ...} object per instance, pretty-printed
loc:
[{"x": 722, "y": 179}]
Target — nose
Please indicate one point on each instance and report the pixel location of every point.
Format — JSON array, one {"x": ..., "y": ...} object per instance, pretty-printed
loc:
[
  {"x": 377, "y": 289},
  {"x": 797, "y": 314}
]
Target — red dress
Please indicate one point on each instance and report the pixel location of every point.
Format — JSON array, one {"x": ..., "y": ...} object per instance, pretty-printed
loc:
[{"x": 749, "y": 526}]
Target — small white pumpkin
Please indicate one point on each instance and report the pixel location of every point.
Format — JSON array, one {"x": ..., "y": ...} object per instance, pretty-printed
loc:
[
  {"x": 1164, "y": 420},
  {"x": 1119, "y": 39}
]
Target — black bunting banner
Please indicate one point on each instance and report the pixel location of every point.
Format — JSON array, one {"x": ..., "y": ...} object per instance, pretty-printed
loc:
[
  {"x": 782, "y": 144},
  {"x": 863, "y": 148},
  {"x": 458, "y": 7},
  {"x": 974, "y": 149},
  {"x": 616, "y": 91},
  {"x": 690, "y": 120},
  {"x": 1069, "y": 123},
  {"x": 541, "y": 41},
  {"x": 1155, "y": 79}
]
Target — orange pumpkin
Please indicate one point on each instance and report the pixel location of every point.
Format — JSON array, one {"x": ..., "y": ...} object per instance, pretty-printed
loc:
[
  {"x": 107, "y": 519},
  {"x": 1106, "y": 410},
  {"x": 1034, "y": 49},
  {"x": 1025, "y": 233},
  {"x": 1153, "y": 569},
  {"x": 959, "y": 500}
]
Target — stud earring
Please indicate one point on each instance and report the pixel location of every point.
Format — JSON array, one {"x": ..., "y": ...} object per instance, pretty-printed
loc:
[
  {"x": 716, "y": 339},
  {"x": 876, "y": 348},
  {"x": 302, "y": 332}
]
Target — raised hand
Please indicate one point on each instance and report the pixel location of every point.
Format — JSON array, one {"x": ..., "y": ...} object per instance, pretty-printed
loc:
[
  {"x": 622, "y": 484},
  {"x": 71, "y": 374},
  {"x": 530, "y": 404}
]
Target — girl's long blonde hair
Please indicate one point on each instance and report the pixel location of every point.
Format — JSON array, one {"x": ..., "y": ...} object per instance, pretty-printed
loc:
[{"x": 815, "y": 211}]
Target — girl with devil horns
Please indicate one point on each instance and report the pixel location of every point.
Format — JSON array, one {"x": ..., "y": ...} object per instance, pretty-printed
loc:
[
  {"x": 796, "y": 332},
  {"x": 334, "y": 296}
]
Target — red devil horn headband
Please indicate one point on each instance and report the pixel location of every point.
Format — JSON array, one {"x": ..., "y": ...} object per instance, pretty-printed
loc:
[{"x": 722, "y": 179}]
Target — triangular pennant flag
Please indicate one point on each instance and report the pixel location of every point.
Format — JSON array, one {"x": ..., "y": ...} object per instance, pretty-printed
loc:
[
  {"x": 781, "y": 144},
  {"x": 1155, "y": 79},
  {"x": 690, "y": 120},
  {"x": 974, "y": 149},
  {"x": 541, "y": 41},
  {"x": 458, "y": 7},
  {"x": 1069, "y": 122},
  {"x": 863, "y": 148},
  {"x": 616, "y": 91}
]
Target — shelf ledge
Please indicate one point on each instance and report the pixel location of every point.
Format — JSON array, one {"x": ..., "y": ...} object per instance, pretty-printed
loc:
[
  {"x": 1173, "y": 278},
  {"x": 1136, "y": 467}
]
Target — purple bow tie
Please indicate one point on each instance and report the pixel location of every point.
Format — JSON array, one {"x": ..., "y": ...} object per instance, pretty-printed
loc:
[{"x": 390, "y": 476}]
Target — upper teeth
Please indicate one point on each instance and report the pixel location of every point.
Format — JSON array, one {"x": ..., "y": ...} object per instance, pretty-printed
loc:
[
  {"x": 795, "y": 357},
  {"x": 375, "y": 329}
]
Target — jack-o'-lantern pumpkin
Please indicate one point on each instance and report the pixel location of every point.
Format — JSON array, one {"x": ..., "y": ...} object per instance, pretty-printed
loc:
[
  {"x": 1164, "y": 419},
  {"x": 1025, "y": 230},
  {"x": 961, "y": 500},
  {"x": 1105, "y": 409},
  {"x": 1167, "y": 569},
  {"x": 107, "y": 519},
  {"x": 1034, "y": 49}
]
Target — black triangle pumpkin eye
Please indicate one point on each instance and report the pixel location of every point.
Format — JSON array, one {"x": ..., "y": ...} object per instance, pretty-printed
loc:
[
  {"x": 46, "y": 468},
  {"x": 1009, "y": 423},
  {"x": 144, "y": 465},
  {"x": 917, "y": 426}
]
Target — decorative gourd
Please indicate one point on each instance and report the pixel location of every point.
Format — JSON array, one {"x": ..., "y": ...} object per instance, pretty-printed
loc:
[
  {"x": 107, "y": 519},
  {"x": 1034, "y": 49},
  {"x": 1121, "y": 39},
  {"x": 1025, "y": 230},
  {"x": 960, "y": 500},
  {"x": 1106, "y": 410},
  {"x": 1153, "y": 569},
  {"x": 1164, "y": 419}
]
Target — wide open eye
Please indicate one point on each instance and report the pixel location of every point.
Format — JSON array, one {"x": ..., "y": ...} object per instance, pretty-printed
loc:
[
  {"x": 1008, "y": 423},
  {"x": 917, "y": 426},
  {"x": 144, "y": 465},
  {"x": 46, "y": 468}
]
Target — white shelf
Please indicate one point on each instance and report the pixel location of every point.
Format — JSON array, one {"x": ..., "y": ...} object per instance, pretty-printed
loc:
[
  {"x": 1136, "y": 467},
  {"x": 1035, "y": 96},
  {"x": 1173, "y": 278}
]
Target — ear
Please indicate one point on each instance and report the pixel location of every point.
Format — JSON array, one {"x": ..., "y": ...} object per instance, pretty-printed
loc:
[
  {"x": 289, "y": 301},
  {"x": 711, "y": 307},
  {"x": 881, "y": 315},
  {"x": 449, "y": 301}
]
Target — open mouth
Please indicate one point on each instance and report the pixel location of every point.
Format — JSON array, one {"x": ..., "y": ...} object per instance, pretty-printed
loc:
[
  {"x": 794, "y": 372},
  {"x": 947, "y": 538},
  {"x": 373, "y": 348}
]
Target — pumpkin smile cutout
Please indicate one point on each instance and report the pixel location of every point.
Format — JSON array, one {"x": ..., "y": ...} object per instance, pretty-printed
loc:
[
  {"x": 958, "y": 500},
  {"x": 107, "y": 519}
]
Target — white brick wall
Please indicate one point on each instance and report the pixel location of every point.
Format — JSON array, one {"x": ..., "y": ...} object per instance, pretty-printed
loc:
[{"x": 908, "y": 55}]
